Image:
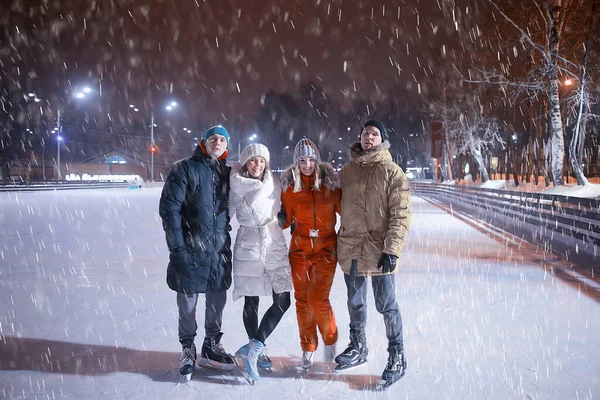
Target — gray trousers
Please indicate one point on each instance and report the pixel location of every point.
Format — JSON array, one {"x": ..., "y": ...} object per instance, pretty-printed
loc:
[
  {"x": 213, "y": 314},
  {"x": 384, "y": 290}
]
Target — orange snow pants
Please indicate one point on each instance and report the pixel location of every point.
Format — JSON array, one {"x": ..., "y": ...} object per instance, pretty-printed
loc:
[{"x": 312, "y": 275}]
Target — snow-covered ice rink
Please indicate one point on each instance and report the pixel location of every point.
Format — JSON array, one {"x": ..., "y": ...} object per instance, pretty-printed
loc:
[{"x": 85, "y": 313}]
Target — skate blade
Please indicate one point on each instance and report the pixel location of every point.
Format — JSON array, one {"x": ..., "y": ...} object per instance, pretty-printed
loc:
[
  {"x": 384, "y": 384},
  {"x": 247, "y": 376},
  {"x": 267, "y": 369},
  {"x": 185, "y": 378},
  {"x": 341, "y": 367},
  {"x": 206, "y": 363},
  {"x": 240, "y": 364}
]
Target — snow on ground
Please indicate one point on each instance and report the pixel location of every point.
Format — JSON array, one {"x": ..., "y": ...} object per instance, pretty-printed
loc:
[
  {"x": 85, "y": 313},
  {"x": 589, "y": 191}
]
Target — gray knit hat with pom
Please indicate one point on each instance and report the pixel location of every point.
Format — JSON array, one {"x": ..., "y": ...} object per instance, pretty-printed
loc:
[{"x": 306, "y": 148}]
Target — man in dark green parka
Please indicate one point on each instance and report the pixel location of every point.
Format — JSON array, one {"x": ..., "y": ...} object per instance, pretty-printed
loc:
[{"x": 194, "y": 211}]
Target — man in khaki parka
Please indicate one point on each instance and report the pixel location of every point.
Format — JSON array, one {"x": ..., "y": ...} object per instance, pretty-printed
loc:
[{"x": 375, "y": 211}]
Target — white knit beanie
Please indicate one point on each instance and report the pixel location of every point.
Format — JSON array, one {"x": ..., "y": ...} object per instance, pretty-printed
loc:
[
  {"x": 306, "y": 148},
  {"x": 255, "y": 150}
]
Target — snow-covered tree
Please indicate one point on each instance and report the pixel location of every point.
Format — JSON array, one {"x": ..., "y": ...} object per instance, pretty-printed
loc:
[
  {"x": 582, "y": 101},
  {"x": 548, "y": 32},
  {"x": 468, "y": 124}
]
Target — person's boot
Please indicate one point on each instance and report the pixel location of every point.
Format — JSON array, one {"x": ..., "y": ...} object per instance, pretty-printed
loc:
[
  {"x": 354, "y": 355},
  {"x": 248, "y": 356},
  {"x": 330, "y": 352},
  {"x": 307, "y": 359},
  {"x": 214, "y": 356},
  {"x": 188, "y": 360},
  {"x": 264, "y": 362},
  {"x": 395, "y": 368}
]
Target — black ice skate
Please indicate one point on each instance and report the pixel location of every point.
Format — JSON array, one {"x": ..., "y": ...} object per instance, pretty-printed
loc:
[
  {"x": 214, "y": 356},
  {"x": 188, "y": 361},
  {"x": 395, "y": 368},
  {"x": 354, "y": 355}
]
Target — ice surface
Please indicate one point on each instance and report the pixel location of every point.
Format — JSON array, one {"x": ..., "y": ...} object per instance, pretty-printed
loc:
[{"x": 85, "y": 313}]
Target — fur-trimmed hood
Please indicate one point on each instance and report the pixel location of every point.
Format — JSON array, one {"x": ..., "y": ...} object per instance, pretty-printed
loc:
[
  {"x": 356, "y": 151},
  {"x": 327, "y": 174}
]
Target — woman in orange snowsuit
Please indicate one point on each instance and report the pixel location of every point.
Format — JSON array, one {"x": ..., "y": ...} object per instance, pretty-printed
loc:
[{"x": 310, "y": 200}]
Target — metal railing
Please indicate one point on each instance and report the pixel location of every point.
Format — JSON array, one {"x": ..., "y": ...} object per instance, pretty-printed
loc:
[
  {"x": 568, "y": 226},
  {"x": 33, "y": 187}
]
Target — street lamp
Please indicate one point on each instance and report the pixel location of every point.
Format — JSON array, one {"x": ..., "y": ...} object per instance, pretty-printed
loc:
[
  {"x": 169, "y": 107},
  {"x": 79, "y": 95},
  {"x": 58, "y": 129},
  {"x": 58, "y": 140}
]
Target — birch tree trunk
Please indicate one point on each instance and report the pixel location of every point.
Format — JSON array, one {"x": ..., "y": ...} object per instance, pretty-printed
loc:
[
  {"x": 578, "y": 136},
  {"x": 575, "y": 154},
  {"x": 447, "y": 170},
  {"x": 558, "y": 142},
  {"x": 480, "y": 163}
]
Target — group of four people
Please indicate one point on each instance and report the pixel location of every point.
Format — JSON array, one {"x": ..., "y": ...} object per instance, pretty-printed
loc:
[{"x": 202, "y": 193}]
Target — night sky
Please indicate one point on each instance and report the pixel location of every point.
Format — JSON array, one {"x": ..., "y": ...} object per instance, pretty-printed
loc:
[{"x": 217, "y": 57}]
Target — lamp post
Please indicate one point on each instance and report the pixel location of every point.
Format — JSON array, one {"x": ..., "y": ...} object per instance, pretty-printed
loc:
[
  {"x": 43, "y": 161},
  {"x": 169, "y": 107},
  {"x": 58, "y": 140},
  {"x": 78, "y": 95},
  {"x": 152, "y": 146}
]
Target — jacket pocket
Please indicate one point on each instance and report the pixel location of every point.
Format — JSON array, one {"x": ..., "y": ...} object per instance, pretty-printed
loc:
[
  {"x": 195, "y": 273},
  {"x": 376, "y": 238}
]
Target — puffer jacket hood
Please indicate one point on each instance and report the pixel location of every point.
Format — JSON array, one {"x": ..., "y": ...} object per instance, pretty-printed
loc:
[{"x": 356, "y": 152}]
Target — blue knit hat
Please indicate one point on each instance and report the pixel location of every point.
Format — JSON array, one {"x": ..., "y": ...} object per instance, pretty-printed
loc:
[
  {"x": 378, "y": 125},
  {"x": 218, "y": 130}
]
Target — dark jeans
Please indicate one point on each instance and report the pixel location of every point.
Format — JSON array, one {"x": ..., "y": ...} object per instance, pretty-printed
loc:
[
  {"x": 384, "y": 290},
  {"x": 213, "y": 314},
  {"x": 281, "y": 302}
]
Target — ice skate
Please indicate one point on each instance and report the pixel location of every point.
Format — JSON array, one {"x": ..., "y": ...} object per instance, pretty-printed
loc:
[
  {"x": 395, "y": 368},
  {"x": 354, "y": 355},
  {"x": 307, "y": 359},
  {"x": 214, "y": 356},
  {"x": 247, "y": 357},
  {"x": 188, "y": 361},
  {"x": 330, "y": 352},
  {"x": 264, "y": 362}
]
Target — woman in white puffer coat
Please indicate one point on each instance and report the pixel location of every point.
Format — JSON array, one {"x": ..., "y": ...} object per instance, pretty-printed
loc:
[{"x": 260, "y": 256}]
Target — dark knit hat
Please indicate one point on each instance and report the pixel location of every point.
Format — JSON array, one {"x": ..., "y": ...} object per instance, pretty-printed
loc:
[
  {"x": 306, "y": 148},
  {"x": 378, "y": 125},
  {"x": 217, "y": 130}
]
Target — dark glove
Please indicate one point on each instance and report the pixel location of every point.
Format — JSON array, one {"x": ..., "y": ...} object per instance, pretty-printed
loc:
[
  {"x": 387, "y": 262},
  {"x": 281, "y": 218}
]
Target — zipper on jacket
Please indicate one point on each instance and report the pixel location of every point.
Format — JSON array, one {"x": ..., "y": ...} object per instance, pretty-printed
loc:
[
  {"x": 214, "y": 203},
  {"x": 312, "y": 240}
]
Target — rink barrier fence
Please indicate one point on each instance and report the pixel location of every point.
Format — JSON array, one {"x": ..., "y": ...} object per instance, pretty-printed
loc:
[
  {"x": 566, "y": 226},
  {"x": 61, "y": 186}
]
